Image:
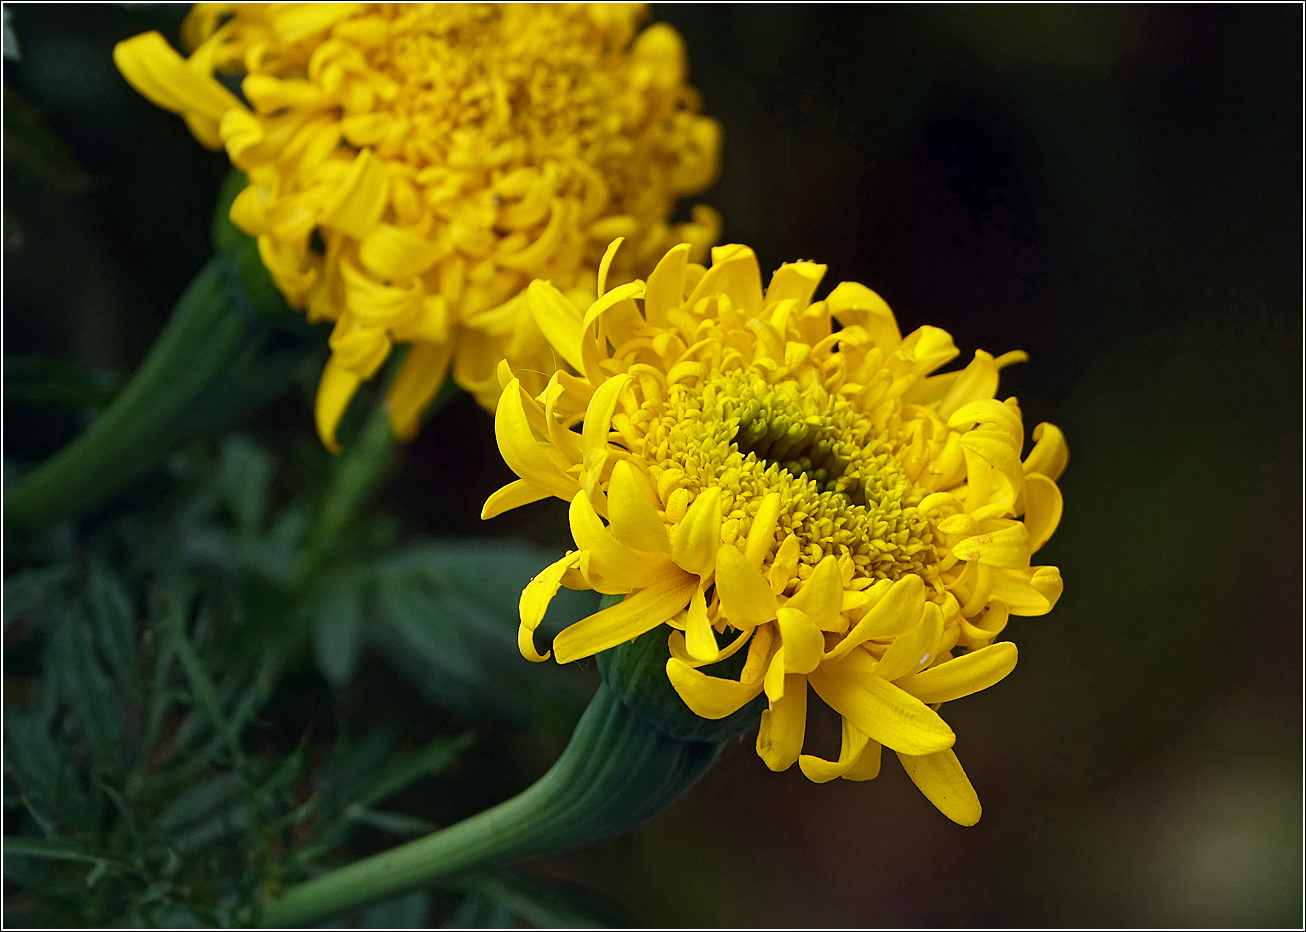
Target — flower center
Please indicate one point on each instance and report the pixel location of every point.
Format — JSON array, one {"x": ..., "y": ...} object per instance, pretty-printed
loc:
[{"x": 839, "y": 474}]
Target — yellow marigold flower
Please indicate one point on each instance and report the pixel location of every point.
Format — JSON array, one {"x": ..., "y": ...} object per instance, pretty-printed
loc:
[
  {"x": 413, "y": 166},
  {"x": 789, "y": 479}
]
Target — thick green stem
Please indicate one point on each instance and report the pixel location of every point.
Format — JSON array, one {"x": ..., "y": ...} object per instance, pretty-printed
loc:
[
  {"x": 214, "y": 361},
  {"x": 618, "y": 770}
]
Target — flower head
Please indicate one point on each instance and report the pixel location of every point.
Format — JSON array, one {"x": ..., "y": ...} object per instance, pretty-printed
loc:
[
  {"x": 787, "y": 479},
  {"x": 413, "y": 166}
]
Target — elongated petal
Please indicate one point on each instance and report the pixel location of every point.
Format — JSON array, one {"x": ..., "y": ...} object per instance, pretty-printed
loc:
[
  {"x": 521, "y": 451},
  {"x": 699, "y": 536},
  {"x": 606, "y": 263},
  {"x": 734, "y": 271},
  {"x": 634, "y": 519},
  {"x": 1009, "y": 547},
  {"x": 418, "y": 380},
  {"x": 895, "y": 614},
  {"x": 513, "y": 495},
  {"x": 780, "y": 734},
  {"x": 963, "y": 675},
  {"x": 762, "y": 533},
  {"x": 940, "y": 777},
  {"x": 912, "y": 651},
  {"x": 334, "y": 392},
  {"x": 558, "y": 319},
  {"x": 618, "y": 565},
  {"x": 643, "y": 611},
  {"x": 666, "y": 285},
  {"x": 883, "y": 711},
  {"x": 1050, "y": 454},
  {"x": 851, "y": 749},
  {"x": 534, "y": 603},
  {"x": 1028, "y": 592},
  {"x": 746, "y": 599},
  {"x": 598, "y": 415},
  {"x": 1042, "y": 509},
  {"x": 711, "y": 697},
  {"x": 803, "y": 642},
  {"x": 700, "y": 640},
  {"x": 796, "y": 281},
  {"x": 821, "y": 596}
]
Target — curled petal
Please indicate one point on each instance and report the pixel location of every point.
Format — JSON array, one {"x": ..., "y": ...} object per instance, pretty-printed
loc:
[
  {"x": 643, "y": 611},
  {"x": 940, "y": 777},
  {"x": 710, "y": 697}
]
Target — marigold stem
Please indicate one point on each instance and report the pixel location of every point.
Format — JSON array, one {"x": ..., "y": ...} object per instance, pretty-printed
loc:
[
  {"x": 215, "y": 361},
  {"x": 618, "y": 770}
]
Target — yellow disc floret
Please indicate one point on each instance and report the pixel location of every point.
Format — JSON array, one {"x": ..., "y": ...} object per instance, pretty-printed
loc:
[
  {"x": 413, "y": 166},
  {"x": 787, "y": 478}
]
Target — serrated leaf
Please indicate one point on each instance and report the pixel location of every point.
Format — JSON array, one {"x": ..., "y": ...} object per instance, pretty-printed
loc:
[
  {"x": 245, "y": 470},
  {"x": 115, "y": 625},
  {"x": 88, "y": 691},
  {"x": 414, "y": 765},
  {"x": 202, "y": 688},
  {"x": 337, "y": 628}
]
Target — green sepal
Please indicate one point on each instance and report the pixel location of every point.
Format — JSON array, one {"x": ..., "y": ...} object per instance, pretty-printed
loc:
[{"x": 637, "y": 672}]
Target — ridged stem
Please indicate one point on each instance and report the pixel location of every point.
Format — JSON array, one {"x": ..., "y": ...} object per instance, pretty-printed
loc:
[
  {"x": 213, "y": 362},
  {"x": 618, "y": 770}
]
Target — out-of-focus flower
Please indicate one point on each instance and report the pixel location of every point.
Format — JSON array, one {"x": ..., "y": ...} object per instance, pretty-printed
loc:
[
  {"x": 787, "y": 479},
  {"x": 413, "y": 166}
]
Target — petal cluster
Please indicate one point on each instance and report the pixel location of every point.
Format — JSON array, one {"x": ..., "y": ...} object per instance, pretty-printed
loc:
[
  {"x": 792, "y": 481},
  {"x": 413, "y": 166}
]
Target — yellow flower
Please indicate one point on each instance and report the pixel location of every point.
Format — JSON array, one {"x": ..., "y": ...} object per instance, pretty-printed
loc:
[
  {"x": 787, "y": 478},
  {"x": 413, "y": 166}
]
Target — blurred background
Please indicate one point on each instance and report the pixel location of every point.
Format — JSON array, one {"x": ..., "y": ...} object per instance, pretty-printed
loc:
[{"x": 1117, "y": 190}]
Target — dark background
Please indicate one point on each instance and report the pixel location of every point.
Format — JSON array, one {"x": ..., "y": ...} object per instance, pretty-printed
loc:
[{"x": 1117, "y": 190}]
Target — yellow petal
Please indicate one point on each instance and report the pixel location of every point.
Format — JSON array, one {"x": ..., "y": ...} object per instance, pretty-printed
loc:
[
  {"x": 1042, "y": 508},
  {"x": 700, "y": 640},
  {"x": 774, "y": 681},
  {"x": 802, "y": 640},
  {"x": 796, "y": 281},
  {"x": 666, "y": 285},
  {"x": 963, "y": 675},
  {"x": 391, "y": 252},
  {"x": 784, "y": 565},
  {"x": 734, "y": 271},
  {"x": 746, "y": 599},
  {"x": 1050, "y": 453},
  {"x": 856, "y": 305},
  {"x": 852, "y": 748},
  {"x": 978, "y": 380},
  {"x": 360, "y": 197},
  {"x": 534, "y": 603},
  {"x": 606, "y": 263},
  {"x": 521, "y": 451},
  {"x": 513, "y": 495},
  {"x": 709, "y": 697},
  {"x": 1008, "y": 547},
  {"x": 699, "y": 536},
  {"x": 940, "y": 777},
  {"x": 914, "y": 650},
  {"x": 821, "y": 595},
  {"x": 634, "y": 519},
  {"x": 1032, "y": 591},
  {"x": 897, "y": 612},
  {"x": 334, "y": 392},
  {"x": 637, "y": 613},
  {"x": 620, "y": 568},
  {"x": 598, "y": 415},
  {"x": 761, "y": 535},
  {"x": 884, "y": 712},
  {"x": 780, "y": 735},
  {"x": 162, "y": 76},
  {"x": 558, "y": 319},
  {"x": 416, "y": 383}
]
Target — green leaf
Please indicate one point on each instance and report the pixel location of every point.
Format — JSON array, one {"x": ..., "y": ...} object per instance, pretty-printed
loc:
[
  {"x": 554, "y": 904},
  {"x": 404, "y": 912},
  {"x": 34, "y": 590},
  {"x": 89, "y": 692},
  {"x": 478, "y": 911},
  {"x": 410, "y": 766},
  {"x": 33, "y": 148},
  {"x": 39, "y": 380},
  {"x": 395, "y": 823},
  {"x": 15, "y": 846},
  {"x": 418, "y": 637},
  {"x": 337, "y": 629},
  {"x": 115, "y": 624},
  {"x": 201, "y": 685},
  {"x": 245, "y": 471}
]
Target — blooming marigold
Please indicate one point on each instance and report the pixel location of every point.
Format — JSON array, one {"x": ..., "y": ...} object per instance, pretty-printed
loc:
[
  {"x": 412, "y": 167},
  {"x": 789, "y": 479}
]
